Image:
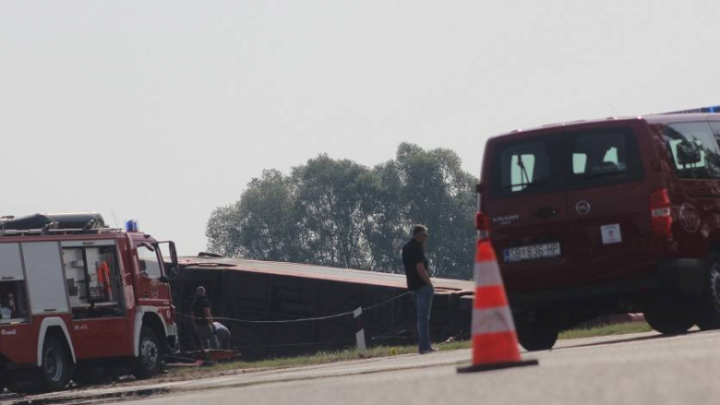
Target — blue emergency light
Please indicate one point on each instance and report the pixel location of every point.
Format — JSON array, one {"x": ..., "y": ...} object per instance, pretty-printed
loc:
[
  {"x": 131, "y": 225},
  {"x": 712, "y": 109}
]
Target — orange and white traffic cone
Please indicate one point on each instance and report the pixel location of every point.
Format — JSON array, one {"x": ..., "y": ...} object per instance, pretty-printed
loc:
[{"x": 494, "y": 341}]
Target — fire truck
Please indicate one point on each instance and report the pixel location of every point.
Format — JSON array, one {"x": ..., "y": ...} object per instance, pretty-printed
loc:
[{"x": 77, "y": 295}]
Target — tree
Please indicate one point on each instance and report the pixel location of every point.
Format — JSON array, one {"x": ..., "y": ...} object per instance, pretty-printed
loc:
[
  {"x": 262, "y": 225},
  {"x": 223, "y": 231},
  {"x": 386, "y": 224},
  {"x": 329, "y": 200},
  {"x": 439, "y": 194},
  {"x": 339, "y": 213}
]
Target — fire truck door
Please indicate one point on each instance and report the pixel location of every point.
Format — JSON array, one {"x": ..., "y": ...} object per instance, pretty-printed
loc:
[
  {"x": 153, "y": 288},
  {"x": 100, "y": 324}
]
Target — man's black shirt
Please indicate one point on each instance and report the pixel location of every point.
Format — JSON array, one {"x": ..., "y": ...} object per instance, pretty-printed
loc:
[
  {"x": 198, "y": 308},
  {"x": 412, "y": 254}
]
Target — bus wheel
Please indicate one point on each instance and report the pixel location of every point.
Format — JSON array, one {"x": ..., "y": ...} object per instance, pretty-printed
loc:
[
  {"x": 150, "y": 359},
  {"x": 57, "y": 367}
]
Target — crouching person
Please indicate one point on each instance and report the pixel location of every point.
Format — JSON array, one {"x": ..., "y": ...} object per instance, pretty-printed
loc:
[{"x": 223, "y": 335}]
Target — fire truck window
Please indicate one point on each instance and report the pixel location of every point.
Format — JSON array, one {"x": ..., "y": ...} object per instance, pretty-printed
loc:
[
  {"x": 93, "y": 281},
  {"x": 10, "y": 262},
  {"x": 149, "y": 263},
  {"x": 103, "y": 274},
  {"x": 13, "y": 299},
  {"x": 13, "y": 302}
]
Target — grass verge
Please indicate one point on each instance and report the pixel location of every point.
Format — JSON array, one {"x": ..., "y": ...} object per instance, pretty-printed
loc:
[
  {"x": 327, "y": 357},
  {"x": 323, "y": 357},
  {"x": 607, "y": 330}
]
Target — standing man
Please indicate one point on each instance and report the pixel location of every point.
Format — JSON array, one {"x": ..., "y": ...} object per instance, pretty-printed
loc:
[
  {"x": 419, "y": 284},
  {"x": 204, "y": 329}
]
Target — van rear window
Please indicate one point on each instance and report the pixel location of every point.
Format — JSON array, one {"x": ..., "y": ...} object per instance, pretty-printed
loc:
[
  {"x": 572, "y": 160},
  {"x": 525, "y": 165},
  {"x": 694, "y": 149}
]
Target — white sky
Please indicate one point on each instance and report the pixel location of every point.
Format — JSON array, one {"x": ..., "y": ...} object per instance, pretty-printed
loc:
[{"x": 164, "y": 110}]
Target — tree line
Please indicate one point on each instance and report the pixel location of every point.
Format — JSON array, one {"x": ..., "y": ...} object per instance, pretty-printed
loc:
[{"x": 342, "y": 214}]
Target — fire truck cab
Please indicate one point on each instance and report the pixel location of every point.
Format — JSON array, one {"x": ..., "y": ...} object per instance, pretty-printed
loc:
[{"x": 76, "y": 295}]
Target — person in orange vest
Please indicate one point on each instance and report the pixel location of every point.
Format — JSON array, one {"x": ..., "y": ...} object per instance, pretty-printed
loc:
[{"x": 103, "y": 277}]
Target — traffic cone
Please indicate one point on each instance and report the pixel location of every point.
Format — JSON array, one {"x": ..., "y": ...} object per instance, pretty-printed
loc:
[{"x": 494, "y": 341}]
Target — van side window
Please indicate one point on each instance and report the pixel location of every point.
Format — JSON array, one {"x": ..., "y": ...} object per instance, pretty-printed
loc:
[
  {"x": 694, "y": 150},
  {"x": 149, "y": 263},
  {"x": 524, "y": 165},
  {"x": 715, "y": 125}
]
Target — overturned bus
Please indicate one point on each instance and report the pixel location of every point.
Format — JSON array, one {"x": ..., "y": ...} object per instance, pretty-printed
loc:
[{"x": 280, "y": 309}]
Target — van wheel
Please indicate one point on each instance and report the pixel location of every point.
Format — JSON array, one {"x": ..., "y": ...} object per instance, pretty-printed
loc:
[
  {"x": 2, "y": 383},
  {"x": 669, "y": 315},
  {"x": 150, "y": 361},
  {"x": 536, "y": 335},
  {"x": 709, "y": 303},
  {"x": 57, "y": 366}
]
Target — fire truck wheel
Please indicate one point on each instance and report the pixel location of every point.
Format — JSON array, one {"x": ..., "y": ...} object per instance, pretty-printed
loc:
[
  {"x": 57, "y": 365},
  {"x": 150, "y": 361}
]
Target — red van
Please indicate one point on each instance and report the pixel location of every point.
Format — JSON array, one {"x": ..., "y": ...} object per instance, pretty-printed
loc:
[{"x": 610, "y": 216}]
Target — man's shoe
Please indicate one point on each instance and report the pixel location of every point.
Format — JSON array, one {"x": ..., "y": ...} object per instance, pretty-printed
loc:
[{"x": 430, "y": 350}]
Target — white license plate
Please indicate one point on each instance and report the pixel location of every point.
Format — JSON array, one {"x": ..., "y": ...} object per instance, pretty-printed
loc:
[{"x": 533, "y": 252}]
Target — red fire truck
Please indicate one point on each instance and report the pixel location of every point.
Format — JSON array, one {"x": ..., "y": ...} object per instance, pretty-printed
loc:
[{"x": 76, "y": 295}]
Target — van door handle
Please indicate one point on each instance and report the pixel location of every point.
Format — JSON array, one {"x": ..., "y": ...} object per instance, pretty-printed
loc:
[{"x": 544, "y": 213}]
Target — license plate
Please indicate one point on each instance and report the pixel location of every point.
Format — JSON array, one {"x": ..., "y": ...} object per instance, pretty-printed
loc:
[{"x": 532, "y": 252}]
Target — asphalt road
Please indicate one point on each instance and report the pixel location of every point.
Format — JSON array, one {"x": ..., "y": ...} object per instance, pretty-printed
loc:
[
  {"x": 637, "y": 369},
  {"x": 631, "y": 369}
]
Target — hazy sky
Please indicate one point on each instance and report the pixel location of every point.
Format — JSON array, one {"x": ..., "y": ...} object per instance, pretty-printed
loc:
[{"x": 164, "y": 110}]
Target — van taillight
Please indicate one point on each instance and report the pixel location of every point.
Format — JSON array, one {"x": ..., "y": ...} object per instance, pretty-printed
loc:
[
  {"x": 660, "y": 212},
  {"x": 482, "y": 224}
]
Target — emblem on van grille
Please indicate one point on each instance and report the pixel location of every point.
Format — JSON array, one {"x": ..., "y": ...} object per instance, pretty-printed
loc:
[{"x": 582, "y": 207}]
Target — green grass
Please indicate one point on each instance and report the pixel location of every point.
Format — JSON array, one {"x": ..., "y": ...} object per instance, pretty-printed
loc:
[
  {"x": 322, "y": 357},
  {"x": 606, "y": 330},
  {"x": 327, "y": 357}
]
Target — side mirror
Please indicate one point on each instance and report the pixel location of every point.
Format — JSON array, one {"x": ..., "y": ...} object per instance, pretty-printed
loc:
[
  {"x": 480, "y": 188},
  {"x": 164, "y": 279}
]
